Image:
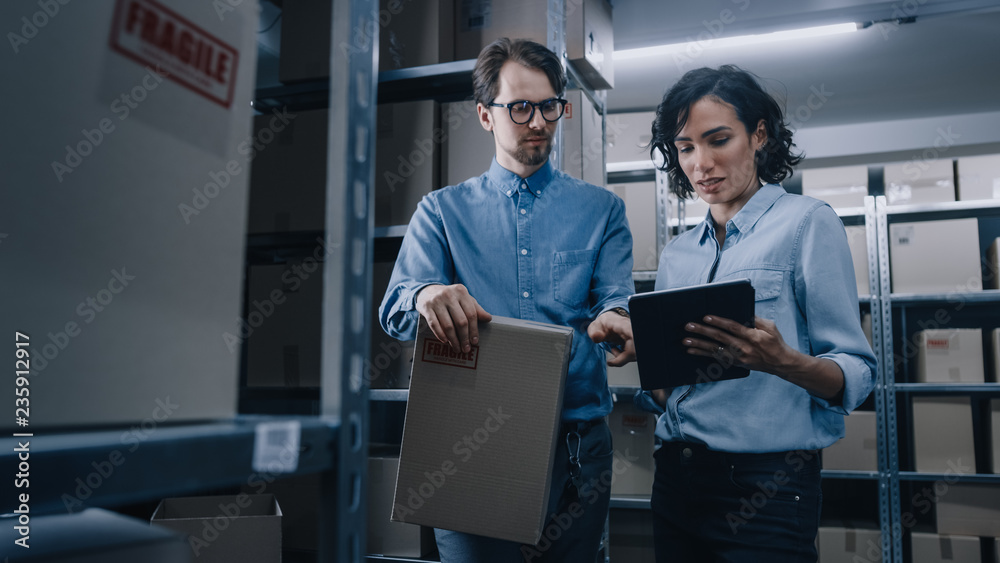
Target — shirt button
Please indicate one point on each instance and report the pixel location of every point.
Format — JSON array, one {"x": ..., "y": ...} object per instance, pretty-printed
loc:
[
  {"x": 686, "y": 452},
  {"x": 509, "y": 192},
  {"x": 525, "y": 294},
  {"x": 539, "y": 192},
  {"x": 524, "y": 251},
  {"x": 523, "y": 212}
]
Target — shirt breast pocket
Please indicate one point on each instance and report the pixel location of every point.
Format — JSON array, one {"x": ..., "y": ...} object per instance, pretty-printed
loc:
[
  {"x": 572, "y": 271},
  {"x": 767, "y": 286}
]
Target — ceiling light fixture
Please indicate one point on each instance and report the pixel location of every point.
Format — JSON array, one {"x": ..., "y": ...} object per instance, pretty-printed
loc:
[{"x": 739, "y": 41}]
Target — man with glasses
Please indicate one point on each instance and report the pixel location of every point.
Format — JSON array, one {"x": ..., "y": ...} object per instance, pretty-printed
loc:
[{"x": 525, "y": 240}]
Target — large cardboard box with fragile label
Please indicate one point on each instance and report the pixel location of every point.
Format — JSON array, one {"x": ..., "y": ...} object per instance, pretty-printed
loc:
[
  {"x": 951, "y": 246},
  {"x": 848, "y": 545},
  {"x": 124, "y": 207},
  {"x": 969, "y": 510},
  {"x": 842, "y": 186},
  {"x": 406, "y": 159},
  {"x": 942, "y": 435},
  {"x": 919, "y": 182},
  {"x": 583, "y": 153},
  {"x": 633, "y": 435},
  {"x": 480, "y": 434},
  {"x": 858, "y": 449},
  {"x": 978, "y": 177},
  {"x": 252, "y": 529},
  {"x": 857, "y": 240},
  {"x": 935, "y": 548},
  {"x": 952, "y": 355}
]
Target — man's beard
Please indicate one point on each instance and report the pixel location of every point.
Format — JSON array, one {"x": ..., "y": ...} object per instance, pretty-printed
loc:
[{"x": 532, "y": 156}]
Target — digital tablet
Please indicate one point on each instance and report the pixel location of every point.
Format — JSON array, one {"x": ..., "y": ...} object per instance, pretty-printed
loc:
[{"x": 658, "y": 320}]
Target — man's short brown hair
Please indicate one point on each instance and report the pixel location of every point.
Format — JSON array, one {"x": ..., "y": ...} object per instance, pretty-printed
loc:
[{"x": 486, "y": 75}]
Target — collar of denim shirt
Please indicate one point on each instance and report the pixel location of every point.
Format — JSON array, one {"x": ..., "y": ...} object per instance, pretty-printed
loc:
[
  {"x": 508, "y": 182},
  {"x": 747, "y": 217}
]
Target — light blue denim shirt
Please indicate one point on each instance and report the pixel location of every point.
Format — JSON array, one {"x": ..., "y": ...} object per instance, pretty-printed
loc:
[
  {"x": 794, "y": 250},
  {"x": 547, "y": 248}
]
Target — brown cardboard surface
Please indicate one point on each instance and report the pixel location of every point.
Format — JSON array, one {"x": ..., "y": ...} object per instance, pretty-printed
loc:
[
  {"x": 480, "y": 431},
  {"x": 847, "y": 545},
  {"x": 971, "y": 510},
  {"x": 632, "y": 432},
  {"x": 942, "y": 435},
  {"x": 978, "y": 177},
  {"x": 467, "y": 149},
  {"x": 995, "y": 431},
  {"x": 223, "y": 529},
  {"x": 640, "y": 210},
  {"x": 993, "y": 266},
  {"x": 934, "y": 548},
  {"x": 406, "y": 159},
  {"x": 583, "y": 152},
  {"x": 930, "y": 181},
  {"x": 590, "y": 42},
  {"x": 952, "y": 246},
  {"x": 858, "y": 449},
  {"x": 841, "y": 186},
  {"x": 950, "y": 355},
  {"x": 857, "y": 240}
]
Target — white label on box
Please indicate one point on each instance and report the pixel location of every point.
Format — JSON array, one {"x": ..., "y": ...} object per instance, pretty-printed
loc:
[
  {"x": 276, "y": 447},
  {"x": 903, "y": 235},
  {"x": 475, "y": 14}
]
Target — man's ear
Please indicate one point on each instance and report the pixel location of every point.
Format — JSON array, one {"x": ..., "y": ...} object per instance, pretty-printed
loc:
[{"x": 485, "y": 117}]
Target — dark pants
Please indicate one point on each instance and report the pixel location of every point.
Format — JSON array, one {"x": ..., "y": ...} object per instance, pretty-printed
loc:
[
  {"x": 576, "y": 521},
  {"x": 721, "y": 507}
]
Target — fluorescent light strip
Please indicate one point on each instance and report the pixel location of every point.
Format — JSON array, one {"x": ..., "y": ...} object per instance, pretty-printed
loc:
[{"x": 739, "y": 41}]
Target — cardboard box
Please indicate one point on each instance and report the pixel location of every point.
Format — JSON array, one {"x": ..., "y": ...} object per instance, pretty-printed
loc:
[
  {"x": 847, "y": 545},
  {"x": 866, "y": 327},
  {"x": 406, "y": 159},
  {"x": 284, "y": 309},
  {"x": 628, "y": 136},
  {"x": 411, "y": 33},
  {"x": 979, "y": 177},
  {"x": 630, "y": 535},
  {"x": 934, "y": 548},
  {"x": 93, "y": 536},
  {"x": 223, "y": 529},
  {"x": 589, "y": 34},
  {"x": 632, "y": 432},
  {"x": 390, "y": 361},
  {"x": 953, "y": 355},
  {"x": 858, "y": 449},
  {"x": 640, "y": 210},
  {"x": 288, "y": 174},
  {"x": 467, "y": 149},
  {"x": 125, "y": 206},
  {"x": 391, "y": 539},
  {"x": 995, "y": 432},
  {"x": 952, "y": 247},
  {"x": 969, "y": 510},
  {"x": 841, "y": 186},
  {"x": 625, "y": 376},
  {"x": 993, "y": 266},
  {"x": 857, "y": 240},
  {"x": 942, "y": 436},
  {"x": 496, "y": 446},
  {"x": 583, "y": 139},
  {"x": 923, "y": 182}
]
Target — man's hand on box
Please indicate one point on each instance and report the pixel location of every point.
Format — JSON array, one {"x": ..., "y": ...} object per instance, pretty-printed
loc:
[
  {"x": 616, "y": 330},
  {"x": 452, "y": 314}
]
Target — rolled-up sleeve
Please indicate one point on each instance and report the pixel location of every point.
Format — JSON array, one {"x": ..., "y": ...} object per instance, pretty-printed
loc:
[{"x": 612, "y": 282}]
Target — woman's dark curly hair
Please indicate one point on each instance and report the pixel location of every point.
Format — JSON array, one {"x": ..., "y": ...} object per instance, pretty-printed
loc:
[{"x": 740, "y": 89}]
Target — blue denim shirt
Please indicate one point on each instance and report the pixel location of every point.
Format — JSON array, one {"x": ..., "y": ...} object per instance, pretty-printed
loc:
[
  {"x": 547, "y": 248},
  {"x": 794, "y": 250}
]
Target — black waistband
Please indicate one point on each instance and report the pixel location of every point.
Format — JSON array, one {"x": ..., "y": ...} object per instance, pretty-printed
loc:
[{"x": 580, "y": 426}]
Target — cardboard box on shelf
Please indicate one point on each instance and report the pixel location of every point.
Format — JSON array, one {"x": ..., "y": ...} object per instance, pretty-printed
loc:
[
  {"x": 624, "y": 376},
  {"x": 252, "y": 529},
  {"x": 995, "y": 431},
  {"x": 942, "y": 436},
  {"x": 589, "y": 34},
  {"x": 857, "y": 240},
  {"x": 841, "y": 186},
  {"x": 992, "y": 280},
  {"x": 925, "y": 182},
  {"x": 411, "y": 33},
  {"x": 969, "y": 510},
  {"x": 847, "y": 545},
  {"x": 628, "y": 136},
  {"x": 952, "y": 355},
  {"x": 640, "y": 210},
  {"x": 385, "y": 537},
  {"x": 935, "y": 548},
  {"x": 93, "y": 536},
  {"x": 583, "y": 154},
  {"x": 406, "y": 159},
  {"x": 137, "y": 202},
  {"x": 467, "y": 149},
  {"x": 979, "y": 177},
  {"x": 288, "y": 173},
  {"x": 497, "y": 444},
  {"x": 952, "y": 246},
  {"x": 284, "y": 309},
  {"x": 632, "y": 432},
  {"x": 858, "y": 449}
]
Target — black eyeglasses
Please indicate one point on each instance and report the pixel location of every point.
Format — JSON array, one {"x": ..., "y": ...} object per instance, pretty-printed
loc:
[{"x": 523, "y": 111}]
